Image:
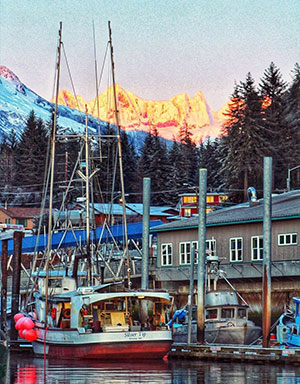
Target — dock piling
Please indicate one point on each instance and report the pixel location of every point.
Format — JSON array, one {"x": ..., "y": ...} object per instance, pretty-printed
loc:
[{"x": 201, "y": 255}]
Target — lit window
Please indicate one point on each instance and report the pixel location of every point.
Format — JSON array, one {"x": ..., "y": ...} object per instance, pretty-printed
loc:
[
  {"x": 187, "y": 212},
  {"x": 166, "y": 254},
  {"x": 257, "y": 248},
  {"x": 190, "y": 199},
  {"x": 288, "y": 239},
  {"x": 236, "y": 249},
  {"x": 210, "y": 199}
]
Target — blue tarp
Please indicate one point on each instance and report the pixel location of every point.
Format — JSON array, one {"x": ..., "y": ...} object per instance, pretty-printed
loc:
[{"x": 135, "y": 231}]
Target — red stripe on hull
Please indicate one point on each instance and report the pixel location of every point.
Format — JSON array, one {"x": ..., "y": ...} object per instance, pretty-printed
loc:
[{"x": 113, "y": 351}]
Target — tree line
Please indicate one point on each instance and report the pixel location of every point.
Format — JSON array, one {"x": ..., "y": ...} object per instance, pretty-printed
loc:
[{"x": 261, "y": 121}]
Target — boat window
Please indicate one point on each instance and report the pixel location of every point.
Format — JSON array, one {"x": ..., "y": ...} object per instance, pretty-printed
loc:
[
  {"x": 241, "y": 314},
  {"x": 55, "y": 283},
  {"x": 211, "y": 313},
  {"x": 227, "y": 313}
]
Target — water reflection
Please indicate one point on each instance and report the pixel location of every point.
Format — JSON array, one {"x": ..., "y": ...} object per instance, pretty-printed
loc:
[{"x": 30, "y": 370}]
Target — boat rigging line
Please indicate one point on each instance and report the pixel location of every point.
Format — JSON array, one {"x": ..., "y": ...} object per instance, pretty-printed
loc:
[{"x": 120, "y": 160}]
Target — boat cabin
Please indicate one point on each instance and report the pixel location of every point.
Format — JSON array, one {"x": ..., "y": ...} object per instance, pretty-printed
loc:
[
  {"x": 97, "y": 309},
  {"x": 223, "y": 306}
]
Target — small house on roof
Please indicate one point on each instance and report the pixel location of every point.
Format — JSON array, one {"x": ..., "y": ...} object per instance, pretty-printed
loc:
[
  {"x": 134, "y": 212},
  {"x": 189, "y": 202},
  {"x": 19, "y": 215}
]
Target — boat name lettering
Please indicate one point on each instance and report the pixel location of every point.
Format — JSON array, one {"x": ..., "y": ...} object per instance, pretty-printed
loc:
[{"x": 135, "y": 335}]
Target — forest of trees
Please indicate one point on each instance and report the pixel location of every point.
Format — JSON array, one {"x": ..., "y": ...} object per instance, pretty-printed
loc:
[{"x": 262, "y": 120}]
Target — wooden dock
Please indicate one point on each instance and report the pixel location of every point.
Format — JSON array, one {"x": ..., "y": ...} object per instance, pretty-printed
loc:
[{"x": 251, "y": 354}]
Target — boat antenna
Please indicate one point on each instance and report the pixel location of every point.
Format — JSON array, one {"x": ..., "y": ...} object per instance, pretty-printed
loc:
[
  {"x": 120, "y": 160},
  {"x": 52, "y": 164}
]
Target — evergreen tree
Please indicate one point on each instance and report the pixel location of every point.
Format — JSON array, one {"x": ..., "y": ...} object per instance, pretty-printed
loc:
[
  {"x": 229, "y": 146},
  {"x": 31, "y": 155},
  {"x": 272, "y": 89},
  {"x": 129, "y": 162},
  {"x": 209, "y": 159},
  {"x": 177, "y": 170},
  {"x": 154, "y": 163},
  {"x": 244, "y": 142},
  {"x": 292, "y": 121},
  {"x": 106, "y": 163},
  {"x": 189, "y": 154},
  {"x": 8, "y": 166}
]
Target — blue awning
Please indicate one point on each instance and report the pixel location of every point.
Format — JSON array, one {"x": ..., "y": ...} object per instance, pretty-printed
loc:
[{"x": 73, "y": 238}]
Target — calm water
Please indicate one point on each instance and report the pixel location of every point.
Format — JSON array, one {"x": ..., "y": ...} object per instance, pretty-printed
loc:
[{"x": 30, "y": 370}]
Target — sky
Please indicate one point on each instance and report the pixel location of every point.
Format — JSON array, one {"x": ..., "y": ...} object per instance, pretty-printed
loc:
[{"x": 161, "y": 47}]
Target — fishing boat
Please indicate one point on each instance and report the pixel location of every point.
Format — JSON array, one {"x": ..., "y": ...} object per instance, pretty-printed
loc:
[
  {"x": 102, "y": 322},
  {"x": 288, "y": 329},
  {"x": 226, "y": 314},
  {"x": 73, "y": 313}
]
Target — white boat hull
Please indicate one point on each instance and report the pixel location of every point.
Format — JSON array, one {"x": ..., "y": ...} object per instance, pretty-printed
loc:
[{"x": 74, "y": 344}]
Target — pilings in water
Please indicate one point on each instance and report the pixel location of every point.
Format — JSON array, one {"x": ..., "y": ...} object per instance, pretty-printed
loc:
[
  {"x": 201, "y": 255},
  {"x": 4, "y": 258},
  {"x": 190, "y": 300},
  {"x": 16, "y": 264},
  {"x": 146, "y": 225},
  {"x": 267, "y": 230}
]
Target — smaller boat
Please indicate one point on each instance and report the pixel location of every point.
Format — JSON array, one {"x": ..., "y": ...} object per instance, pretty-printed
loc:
[
  {"x": 288, "y": 329},
  {"x": 227, "y": 320},
  {"x": 226, "y": 314}
]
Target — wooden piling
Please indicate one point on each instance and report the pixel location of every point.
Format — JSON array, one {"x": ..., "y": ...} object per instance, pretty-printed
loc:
[
  {"x": 4, "y": 257},
  {"x": 16, "y": 263}
]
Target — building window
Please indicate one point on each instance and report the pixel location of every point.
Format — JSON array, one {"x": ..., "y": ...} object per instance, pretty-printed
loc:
[
  {"x": 185, "y": 253},
  {"x": 211, "y": 245},
  {"x": 187, "y": 212},
  {"x": 166, "y": 254},
  {"x": 210, "y": 199},
  {"x": 7, "y": 221},
  {"x": 236, "y": 249},
  {"x": 287, "y": 239},
  {"x": 257, "y": 248},
  {"x": 22, "y": 222},
  {"x": 190, "y": 199}
]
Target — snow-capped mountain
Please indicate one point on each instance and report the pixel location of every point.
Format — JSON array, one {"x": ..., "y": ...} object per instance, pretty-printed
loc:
[
  {"x": 17, "y": 101},
  {"x": 137, "y": 114}
]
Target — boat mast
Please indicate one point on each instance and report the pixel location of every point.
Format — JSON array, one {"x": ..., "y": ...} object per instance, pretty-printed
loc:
[
  {"x": 52, "y": 164},
  {"x": 87, "y": 200},
  {"x": 120, "y": 161}
]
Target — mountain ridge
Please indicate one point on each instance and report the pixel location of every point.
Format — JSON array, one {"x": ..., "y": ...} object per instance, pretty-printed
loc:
[{"x": 137, "y": 113}]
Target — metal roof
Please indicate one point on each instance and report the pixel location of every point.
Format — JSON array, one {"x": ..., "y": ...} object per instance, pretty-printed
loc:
[
  {"x": 71, "y": 238},
  {"x": 284, "y": 206},
  {"x": 132, "y": 209}
]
